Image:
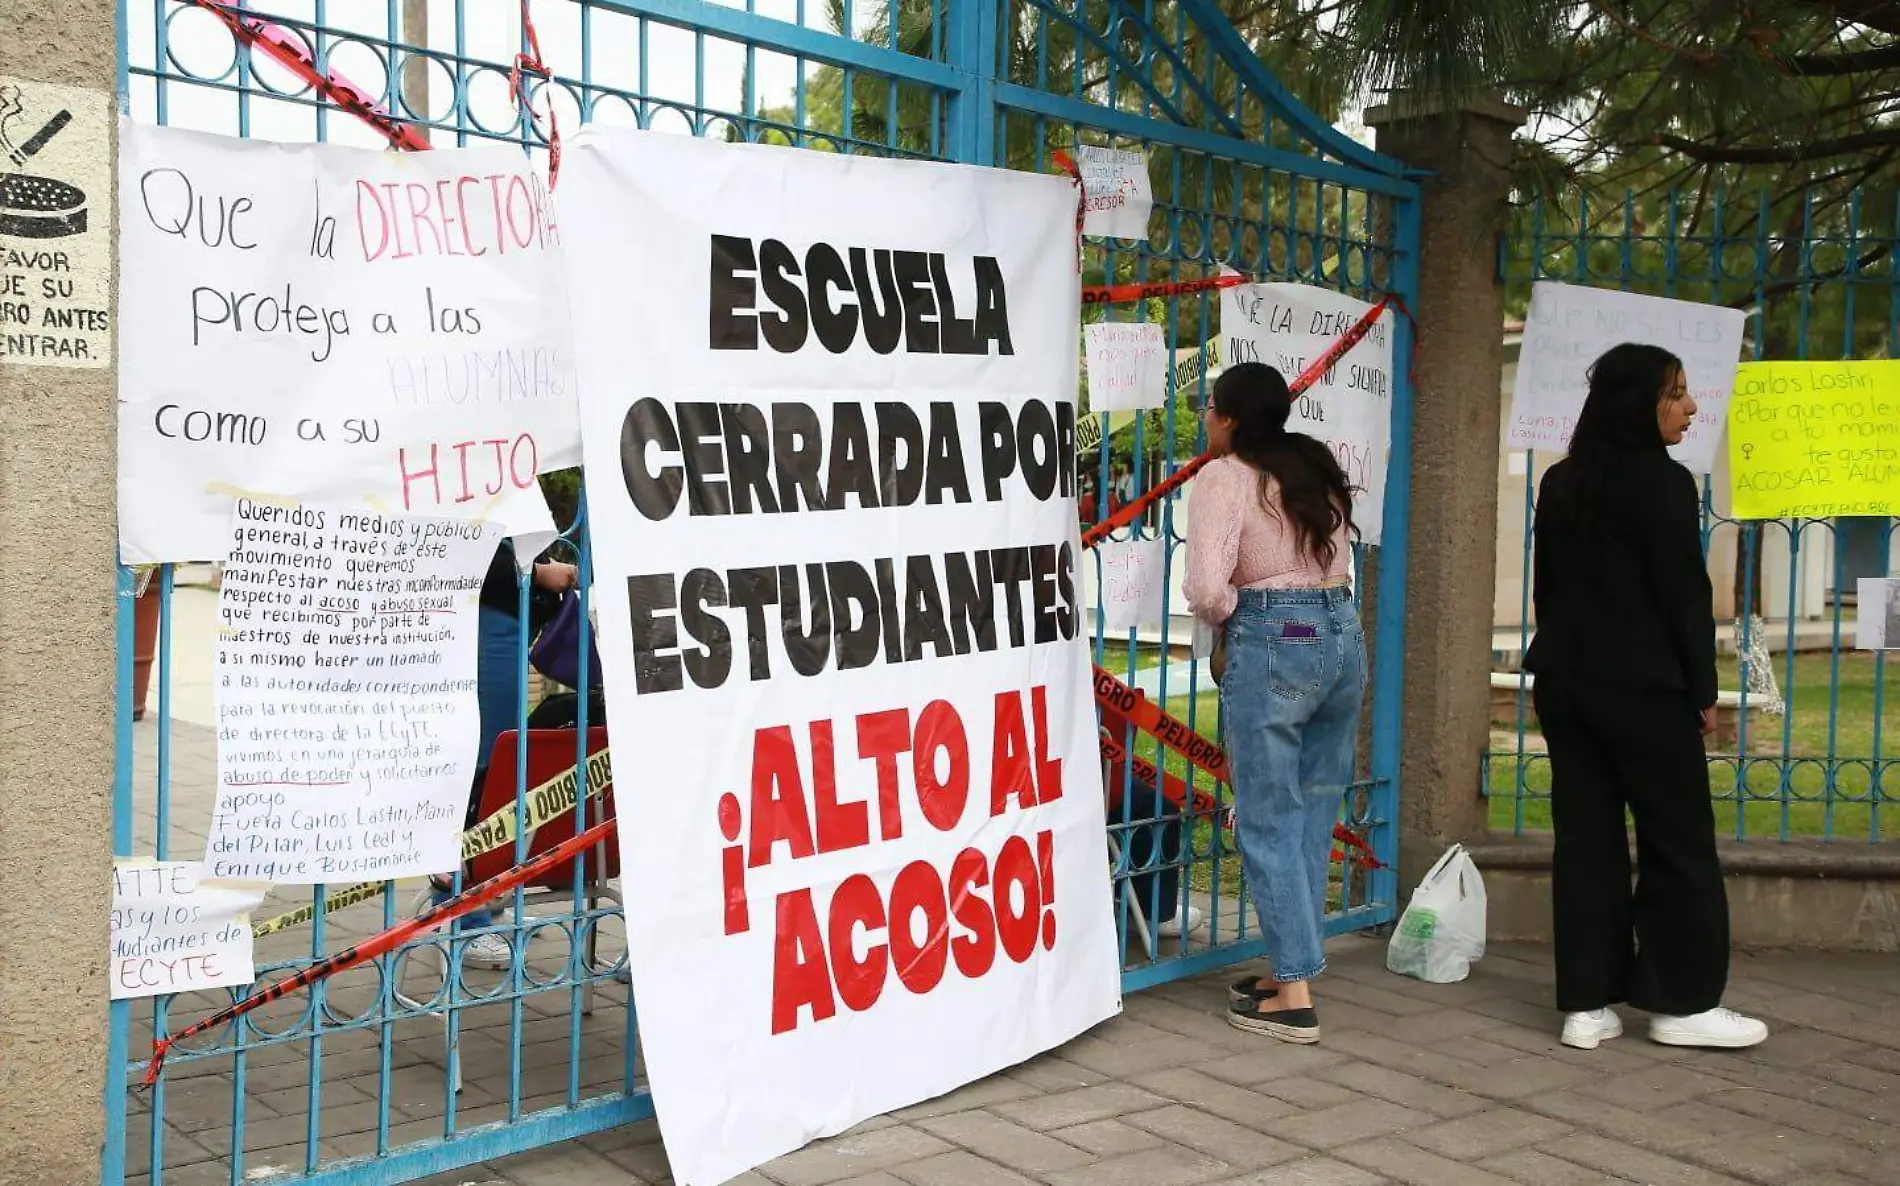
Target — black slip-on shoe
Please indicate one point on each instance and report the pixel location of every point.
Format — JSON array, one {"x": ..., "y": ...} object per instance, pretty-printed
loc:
[
  {"x": 1298, "y": 1026},
  {"x": 1246, "y": 993}
]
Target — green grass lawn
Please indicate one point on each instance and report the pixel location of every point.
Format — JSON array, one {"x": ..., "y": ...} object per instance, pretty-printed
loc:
[{"x": 1809, "y": 773}]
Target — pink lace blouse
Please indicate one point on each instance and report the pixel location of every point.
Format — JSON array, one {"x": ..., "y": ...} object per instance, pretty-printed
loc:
[{"x": 1235, "y": 542}]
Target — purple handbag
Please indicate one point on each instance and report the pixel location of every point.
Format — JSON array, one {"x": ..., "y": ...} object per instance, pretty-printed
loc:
[{"x": 556, "y": 653}]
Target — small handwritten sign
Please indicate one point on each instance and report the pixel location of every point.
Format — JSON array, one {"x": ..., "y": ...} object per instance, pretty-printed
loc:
[
  {"x": 1569, "y": 327},
  {"x": 1133, "y": 578},
  {"x": 1878, "y": 604},
  {"x": 345, "y": 686},
  {"x": 1128, "y": 366},
  {"x": 175, "y": 930},
  {"x": 1815, "y": 439},
  {"x": 1116, "y": 195}
]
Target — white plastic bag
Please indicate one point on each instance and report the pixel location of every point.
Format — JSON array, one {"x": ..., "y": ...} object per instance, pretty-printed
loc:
[{"x": 1441, "y": 933}]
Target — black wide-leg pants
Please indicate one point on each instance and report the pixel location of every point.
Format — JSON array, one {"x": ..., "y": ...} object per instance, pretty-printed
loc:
[{"x": 1664, "y": 946}]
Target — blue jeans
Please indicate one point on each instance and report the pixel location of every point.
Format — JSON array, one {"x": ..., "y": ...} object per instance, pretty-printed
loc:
[
  {"x": 1290, "y": 700},
  {"x": 498, "y": 658}
]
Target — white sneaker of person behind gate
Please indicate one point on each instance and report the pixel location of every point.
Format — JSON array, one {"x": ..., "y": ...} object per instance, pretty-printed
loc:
[
  {"x": 1174, "y": 928},
  {"x": 1723, "y": 1029},
  {"x": 1586, "y": 1031},
  {"x": 488, "y": 951}
]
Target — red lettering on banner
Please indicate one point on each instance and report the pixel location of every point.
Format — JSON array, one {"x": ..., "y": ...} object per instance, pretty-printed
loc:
[
  {"x": 1048, "y": 770},
  {"x": 943, "y": 800},
  {"x": 881, "y": 737},
  {"x": 1009, "y": 757},
  {"x": 403, "y": 220},
  {"x": 857, "y": 906},
  {"x": 840, "y": 825},
  {"x": 778, "y": 800},
  {"x": 800, "y": 977},
  {"x": 817, "y": 969}
]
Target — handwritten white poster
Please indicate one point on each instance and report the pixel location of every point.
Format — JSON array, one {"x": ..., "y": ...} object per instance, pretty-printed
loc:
[
  {"x": 1127, "y": 365},
  {"x": 1569, "y": 326},
  {"x": 1878, "y": 626},
  {"x": 175, "y": 930},
  {"x": 853, "y": 654},
  {"x": 1116, "y": 195},
  {"x": 372, "y": 329},
  {"x": 1288, "y": 326},
  {"x": 345, "y": 688},
  {"x": 1132, "y": 582}
]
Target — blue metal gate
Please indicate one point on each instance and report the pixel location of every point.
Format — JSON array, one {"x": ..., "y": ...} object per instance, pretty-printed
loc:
[
  {"x": 403, "y": 1068},
  {"x": 1804, "y": 748}
]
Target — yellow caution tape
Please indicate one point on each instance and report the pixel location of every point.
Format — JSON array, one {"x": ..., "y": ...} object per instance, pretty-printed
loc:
[{"x": 551, "y": 799}]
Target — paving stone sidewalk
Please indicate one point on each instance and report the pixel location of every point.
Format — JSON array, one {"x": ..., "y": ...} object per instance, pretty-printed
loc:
[{"x": 1428, "y": 1085}]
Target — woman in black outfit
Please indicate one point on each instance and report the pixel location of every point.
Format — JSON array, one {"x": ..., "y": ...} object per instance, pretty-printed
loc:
[{"x": 1625, "y": 665}]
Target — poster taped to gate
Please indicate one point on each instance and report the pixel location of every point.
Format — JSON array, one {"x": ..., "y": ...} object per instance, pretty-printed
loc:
[
  {"x": 839, "y": 620},
  {"x": 319, "y": 323}
]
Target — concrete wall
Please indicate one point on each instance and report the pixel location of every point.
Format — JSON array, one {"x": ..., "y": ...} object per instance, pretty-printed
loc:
[{"x": 57, "y": 648}]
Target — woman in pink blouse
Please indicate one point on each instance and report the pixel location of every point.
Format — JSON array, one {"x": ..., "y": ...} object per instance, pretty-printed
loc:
[{"x": 1270, "y": 527}]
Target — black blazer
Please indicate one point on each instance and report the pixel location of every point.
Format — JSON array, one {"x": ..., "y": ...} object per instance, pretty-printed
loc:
[{"x": 1625, "y": 602}]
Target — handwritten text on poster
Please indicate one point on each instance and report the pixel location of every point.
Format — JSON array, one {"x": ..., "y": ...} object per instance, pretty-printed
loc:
[
  {"x": 345, "y": 687},
  {"x": 175, "y": 930},
  {"x": 1815, "y": 439}
]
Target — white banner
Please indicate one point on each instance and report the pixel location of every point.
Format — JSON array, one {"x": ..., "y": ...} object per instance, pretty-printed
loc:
[
  {"x": 1569, "y": 326},
  {"x": 345, "y": 686},
  {"x": 337, "y": 325},
  {"x": 1287, "y": 326},
  {"x": 829, "y": 403}
]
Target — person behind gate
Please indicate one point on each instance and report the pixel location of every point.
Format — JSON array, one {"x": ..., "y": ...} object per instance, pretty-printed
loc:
[
  {"x": 1625, "y": 663},
  {"x": 1268, "y": 551}
]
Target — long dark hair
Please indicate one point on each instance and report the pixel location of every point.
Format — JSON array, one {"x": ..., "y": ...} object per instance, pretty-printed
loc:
[
  {"x": 1314, "y": 493},
  {"x": 1618, "y": 420}
]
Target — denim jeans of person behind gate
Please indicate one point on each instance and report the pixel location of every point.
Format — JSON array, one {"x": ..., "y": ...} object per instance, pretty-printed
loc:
[
  {"x": 498, "y": 692},
  {"x": 1290, "y": 701}
]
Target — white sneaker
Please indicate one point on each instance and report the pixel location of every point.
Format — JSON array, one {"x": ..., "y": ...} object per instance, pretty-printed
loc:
[
  {"x": 1181, "y": 924},
  {"x": 1723, "y": 1029},
  {"x": 488, "y": 951},
  {"x": 1586, "y": 1030}
]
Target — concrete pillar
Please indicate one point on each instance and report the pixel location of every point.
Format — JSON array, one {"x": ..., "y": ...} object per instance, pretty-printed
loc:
[
  {"x": 57, "y": 615},
  {"x": 1456, "y": 432}
]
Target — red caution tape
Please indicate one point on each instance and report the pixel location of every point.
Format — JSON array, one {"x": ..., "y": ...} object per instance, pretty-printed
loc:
[
  {"x": 389, "y": 940},
  {"x": 1121, "y": 294},
  {"x": 290, "y": 52},
  {"x": 530, "y": 63}
]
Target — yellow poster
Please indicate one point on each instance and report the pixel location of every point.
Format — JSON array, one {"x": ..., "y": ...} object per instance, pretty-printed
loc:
[{"x": 1815, "y": 440}]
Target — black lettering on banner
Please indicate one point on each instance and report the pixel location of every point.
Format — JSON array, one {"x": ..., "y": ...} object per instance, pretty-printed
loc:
[
  {"x": 920, "y": 302},
  {"x": 732, "y": 323},
  {"x": 701, "y": 590},
  {"x": 1039, "y": 450},
  {"x": 809, "y": 648},
  {"x": 972, "y": 601},
  {"x": 943, "y": 473},
  {"x": 650, "y": 605},
  {"x": 883, "y": 316},
  {"x": 852, "y": 470},
  {"x": 891, "y": 296},
  {"x": 900, "y": 610},
  {"x": 798, "y": 445},
  {"x": 834, "y": 320},
  {"x": 748, "y": 458},
  {"x": 752, "y": 589},
  {"x": 900, "y": 479},
  {"x": 786, "y": 326},
  {"x": 998, "y": 447},
  {"x": 854, "y": 614},
  {"x": 700, "y": 437},
  {"x": 655, "y": 492}
]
